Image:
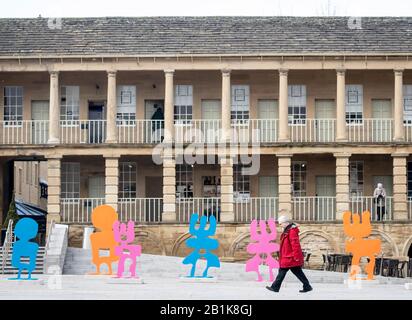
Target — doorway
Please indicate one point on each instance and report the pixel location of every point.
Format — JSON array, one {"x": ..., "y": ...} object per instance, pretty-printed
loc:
[
  {"x": 96, "y": 129},
  {"x": 153, "y": 130},
  {"x": 324, "y": 110},
  {"x": 382, "y": 109},
  {"x": 40, "y": 126},
  {"x": 268, "y": 110}
]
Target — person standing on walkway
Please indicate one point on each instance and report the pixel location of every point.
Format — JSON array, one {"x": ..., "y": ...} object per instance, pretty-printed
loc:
[
  {"x": 290, "y": 256},
  {"x": 379, "y": 195}
]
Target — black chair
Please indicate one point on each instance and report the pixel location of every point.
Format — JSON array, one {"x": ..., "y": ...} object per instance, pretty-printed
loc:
[
  {"x": 390, "y": 267},
  {"x": 401, "y": 267},
  {"x": 410, "y": 267},
  {"x": 378, "y": 265},
  {"x": 324, "y": 265},
  {"x": 346, "y": 261}
]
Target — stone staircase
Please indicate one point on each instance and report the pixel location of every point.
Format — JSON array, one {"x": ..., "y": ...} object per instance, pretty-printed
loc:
[
  {"x": 78, "y": 261},
  {"x": 56, "y": 249},
  {"x": 9, "y": 269}
]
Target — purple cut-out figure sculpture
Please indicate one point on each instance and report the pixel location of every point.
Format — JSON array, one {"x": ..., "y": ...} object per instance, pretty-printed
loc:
[
  {"x": 125, "y": 235},
  {"x": 263, "y": 249}
]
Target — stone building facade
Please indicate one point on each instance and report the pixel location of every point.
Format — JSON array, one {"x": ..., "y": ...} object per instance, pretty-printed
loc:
[{"x": 324, "y": 121}]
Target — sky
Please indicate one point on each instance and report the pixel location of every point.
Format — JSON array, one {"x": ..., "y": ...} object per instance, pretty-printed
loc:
[{"x": 101, "y": 8}]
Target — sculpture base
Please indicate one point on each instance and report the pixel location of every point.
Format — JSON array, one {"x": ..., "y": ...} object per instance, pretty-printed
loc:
[
  {"x": 114, "y": 280},
  {"x": 25, "y": 282},
  {"x": 198, "y": 279}
]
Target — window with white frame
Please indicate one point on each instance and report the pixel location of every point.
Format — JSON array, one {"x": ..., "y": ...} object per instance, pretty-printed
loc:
[
  {"x": 299, "y": 178},
  {"x": 128, "y": 180},
  {"x": 126, "y": 105},
  {"x": 407, "y": 104},
  {"x": 70, "y": 180},
  {"x": 356, "y": 178},
  {"x": 69, "y": 104},
  {"x": 184, "y": 181},
  {"x": 240, "y": 104},
  {"x": 297, "y": 104},
  {"x": 354, "y": 103},
  {"x": 241, "y": 183},
  {"x": 13, "y": 105},
  {"x": 183, "y": 113}
]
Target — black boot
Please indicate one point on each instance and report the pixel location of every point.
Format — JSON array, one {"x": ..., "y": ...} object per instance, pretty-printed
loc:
[
  {"x": 271, "y": 289},
  {"x": 306, "y": 289}
]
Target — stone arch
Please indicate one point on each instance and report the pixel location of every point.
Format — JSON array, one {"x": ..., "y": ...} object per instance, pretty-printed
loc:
[
  {"x": 406, "y": 247},
  {"x": 388, "y": 246},
  {"x": 317, "y": 242},
  {"x": 237, "y": 249},
  {"x": 179, "y": 248},
  {"x": 150, "y": 242}
]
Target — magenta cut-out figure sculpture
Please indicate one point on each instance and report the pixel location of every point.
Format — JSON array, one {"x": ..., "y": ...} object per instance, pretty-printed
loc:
[
  {"x": 263, "y": 249},
  {"x": 125, "y": 235}
]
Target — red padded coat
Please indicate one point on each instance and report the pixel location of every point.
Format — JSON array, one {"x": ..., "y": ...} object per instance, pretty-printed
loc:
[{"x": 290, "y": 252}]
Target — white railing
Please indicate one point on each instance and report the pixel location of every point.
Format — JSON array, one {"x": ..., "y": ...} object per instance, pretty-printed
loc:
[
  {"x": 7, "y": 245},
  {"x": 82, "y": 131},
  {"x": 24, "y": 132},
  {"x": 200, "y": 131},
  {"x": 370, "y": 130},
  {"x": 141, "y": 131},
  {"x": 259, "y": 208},
  {"x": 185, "y": 207},
  {"x": 314, "y": 208},
  {"x": 313, "y": 130},
  {"x": 140, "y": 209},
  {"x": 359, "y": 204},
  {"x": 78, "y": 210},
  {"x": 255, "y": 130}
]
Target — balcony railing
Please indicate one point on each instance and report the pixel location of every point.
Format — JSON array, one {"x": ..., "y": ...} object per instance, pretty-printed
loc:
[
  {"x": 199, "y": 131},
  {"x": 313, "y": 130},
  {"x": 141, "y": 131},
  {"x": 370, "y": 130},
  {"x": 359, "y": 204},
  {"x": 141, "y": 209},
  {"x": 78, "y": 210},
  {"x": 259, "y": 208},
  {"x": 314, "y": 208},
  {"x": 24, "y": 132},
  {"x": 255, "y": 130},
  {"x": 185, "y": 207},
  {"x": 83, "y": 131}
]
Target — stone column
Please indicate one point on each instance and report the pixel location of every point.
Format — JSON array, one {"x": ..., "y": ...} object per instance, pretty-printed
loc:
[
  {"x": 284, "y": 135},
  {"x": 342, "y": 184},
  {"x": 227, "y": 213},
  {"x": 54, "y": 114},
  {"x": 226, "y": 106},
  {"x": 169, "y": 189},
  {"x": 111, "y": 113},
  {"x": 169, "y": 107},
  {"x": 400, "y": 187},
  {"x": 399, "y": 128},
  {"x": 341, "y": 132},
  {"x": 53, "y": 190},
  {"x": 112, "y": 181},
  {"x": 285, "y": 184}
]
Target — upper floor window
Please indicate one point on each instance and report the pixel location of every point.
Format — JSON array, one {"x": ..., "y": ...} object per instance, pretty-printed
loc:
[
  {"x": 354, "y": 103},
  {"x": 240, "y": 104},
  {"x": 407, "y": 104},
  {"x": 69, "y": 104},
  {"x": 297, "y": 104},
  {"x": 126, "y": 105},
  {"x": 299, "y": 178},
  {"x": 184, "y": 181},
  {"x": 70, "y": 180},
  {"x": 13, "y": 105},
  {"x": 128, "y": 180},
  {"x": 183, "y": 112},
  {"x": 356, "y": 178}
]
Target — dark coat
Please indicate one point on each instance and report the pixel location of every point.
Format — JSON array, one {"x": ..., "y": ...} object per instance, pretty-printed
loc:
[{"x": 290, "y": 252}]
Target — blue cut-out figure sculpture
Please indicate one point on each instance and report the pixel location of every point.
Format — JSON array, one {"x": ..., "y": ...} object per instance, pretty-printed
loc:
[
  {"x": 25, "y": 230},
  {"x": 201, "y": 242}
]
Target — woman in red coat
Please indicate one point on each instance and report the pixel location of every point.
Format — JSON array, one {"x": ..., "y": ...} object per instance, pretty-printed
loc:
[{"x": 290, "y": 256}]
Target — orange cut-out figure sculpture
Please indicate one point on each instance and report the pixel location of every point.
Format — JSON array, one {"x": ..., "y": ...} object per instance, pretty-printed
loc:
[
  {"x": 358, "y": 246},
  {"x": 103, "y": 218}
]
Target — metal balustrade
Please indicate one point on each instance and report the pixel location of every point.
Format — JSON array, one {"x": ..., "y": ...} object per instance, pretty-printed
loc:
[
  {"x": 370, "y": 130},
  {"x": 198, "y": 131},
  {"x": 314, "y": 208},
  {"x": 78, "y": 210},
  {"x": 313, "y": 130},
  {"x": 185, "y": 207},
  {"x": 141, "y": 131},
  {"x": 259, "y": 208},
  {"x": 359, "y": 204},
  {"x": 140, "y": 209},
  {"x": 83, "y": 131},
  {"x": 24, "y": 132}
]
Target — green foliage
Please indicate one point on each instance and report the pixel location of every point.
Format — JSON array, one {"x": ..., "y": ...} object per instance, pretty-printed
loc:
[{"x": 11, "y": 214}]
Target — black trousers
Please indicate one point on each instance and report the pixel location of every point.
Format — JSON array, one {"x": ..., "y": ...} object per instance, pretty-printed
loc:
[
  {"x": 297, "y": 271},
  {"x": 380, "y": 212}
]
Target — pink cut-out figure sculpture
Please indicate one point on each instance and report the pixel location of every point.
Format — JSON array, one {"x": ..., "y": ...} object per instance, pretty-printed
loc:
[
  {"x": 263, "y": 249},
  {"x": 125, "y": 235}
]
